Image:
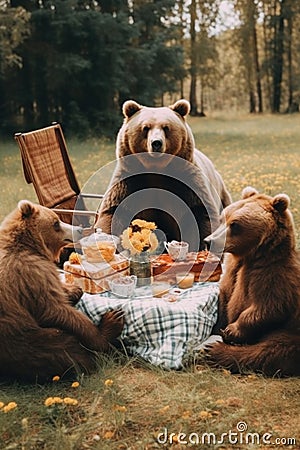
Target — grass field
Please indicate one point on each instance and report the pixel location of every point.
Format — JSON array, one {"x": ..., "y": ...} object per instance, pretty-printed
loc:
[{"x": 128, "y": 404}]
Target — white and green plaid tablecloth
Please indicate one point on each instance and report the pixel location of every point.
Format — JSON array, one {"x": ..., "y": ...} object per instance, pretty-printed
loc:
[{"x": 159, "y": 331}]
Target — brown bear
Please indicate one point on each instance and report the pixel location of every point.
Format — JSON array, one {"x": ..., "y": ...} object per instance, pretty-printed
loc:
[
  {"x": 42, "y": 335},
  {"x": 259, "y": 314},
  {"x": 160, "y": 176}
]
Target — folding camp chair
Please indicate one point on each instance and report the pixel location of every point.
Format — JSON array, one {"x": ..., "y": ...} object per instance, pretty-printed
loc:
[{"x": 47, "y": 166}]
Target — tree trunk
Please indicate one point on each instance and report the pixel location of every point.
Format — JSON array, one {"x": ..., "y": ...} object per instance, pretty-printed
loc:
[
  {"x": 182, "y": 17},
  {"x": 278, "y": 59},
  {"x": 202, "y": 113},
  {"x": 252, "y": 102},
  {"x": 257, "y": 70},
  {"x": 193, "y": 68},
  {"x": 267, "y": 58}
]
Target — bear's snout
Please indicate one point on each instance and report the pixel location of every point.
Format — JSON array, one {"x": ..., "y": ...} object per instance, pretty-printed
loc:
[
  {"x": 157, "y": 145},
  {"x": 72, "y": 233}
]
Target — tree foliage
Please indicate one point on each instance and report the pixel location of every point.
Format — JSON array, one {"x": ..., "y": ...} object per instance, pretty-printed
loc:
[{"x": 76, "y": 61}]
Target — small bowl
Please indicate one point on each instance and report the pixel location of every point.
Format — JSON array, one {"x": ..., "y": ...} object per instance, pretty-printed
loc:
[
  {"x": 123, "y": 286},
  {"x": 185, "y": 280}
]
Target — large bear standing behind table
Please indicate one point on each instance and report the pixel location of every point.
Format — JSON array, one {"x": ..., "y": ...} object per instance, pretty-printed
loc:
[
  {"x": 259, "y": 303},
  {"x": 161, "y": 177},
  {"x": 41, "y": 333}
]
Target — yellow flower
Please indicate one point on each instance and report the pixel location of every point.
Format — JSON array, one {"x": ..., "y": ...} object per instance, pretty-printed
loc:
[
  {"x": 174, "y": 439},
  {"x": 1, "y": 404},
  {"x": 108, "y": 435},
  {"x": 139, "y": 237},
  {"x": 108, "y": 382},
  {"x": 48, "y": 401},
  {"x": 186, "y": 415},
  {"x": 9, "y": 407},
  {"x": 70, "y": 401},
  {"x": 52, "y": 401},
  {"x": 56, "y": 378},
  {"x": 24, "y": 423},
  {"x": 75, "y": 384},
  {"x": 204, "y": 415},
  {"x": 120, "y": 408},
  {"x": 144, "y": 224}
]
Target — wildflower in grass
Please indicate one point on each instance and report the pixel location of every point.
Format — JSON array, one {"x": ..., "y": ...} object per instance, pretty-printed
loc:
[
  {"x": 108, "y": 382},
  {"x": 56, "y": 378},
  {"x": 9, "y": 407},
  {"x": 108, "y": 435},
  {"x": 24, "y": 423},
  {"x": 75, "y": 384},
  {"x": 48, "y": 401},
  {"x": 70, "y": 401},
  {"x": 52, "y": 401},
  {"x": 205, "y": 415},
  {"x": 174, "y": 439},
  {"x": 186, "y": 415},
  {"x": 1, "y": 405},
  {"x": 120, "y": 408}
]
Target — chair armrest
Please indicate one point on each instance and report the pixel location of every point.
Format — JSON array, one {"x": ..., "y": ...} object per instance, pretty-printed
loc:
[
  {"x": 75, "y": 211},
  {"x": 91, "y": 195}
]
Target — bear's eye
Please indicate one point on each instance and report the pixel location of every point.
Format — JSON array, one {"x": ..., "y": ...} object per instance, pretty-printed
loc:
[
  {"x": 56, "y": 225},
  {"x": 234, "y": 227},
  {"x": 166, "y": 129},
  {"x": 146, "y": 129}
]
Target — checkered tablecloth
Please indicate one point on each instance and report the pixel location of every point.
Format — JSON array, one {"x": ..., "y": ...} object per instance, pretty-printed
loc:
[{"x": 159, "y": 331}]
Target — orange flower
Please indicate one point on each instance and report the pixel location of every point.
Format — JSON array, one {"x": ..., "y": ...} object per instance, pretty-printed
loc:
[
  {"x": 205, "y": 415},
  {"x": 9, "y": 407},
  {"x": 120, "y": 408},
  {"x": 70, "y": 401},
  {"x": 108, "y": 435}
]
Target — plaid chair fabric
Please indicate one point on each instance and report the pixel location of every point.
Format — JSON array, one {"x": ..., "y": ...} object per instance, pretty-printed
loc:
[{"x": 47, "y": 166}]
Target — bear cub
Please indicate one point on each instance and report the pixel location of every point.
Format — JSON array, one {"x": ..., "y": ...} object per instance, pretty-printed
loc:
[
  {"x": 42, "y": 335},
  {"x": 259, "y": 313}
]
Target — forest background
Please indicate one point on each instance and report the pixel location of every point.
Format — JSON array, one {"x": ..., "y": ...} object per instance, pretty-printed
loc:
[{"x": 76, "y": 61}]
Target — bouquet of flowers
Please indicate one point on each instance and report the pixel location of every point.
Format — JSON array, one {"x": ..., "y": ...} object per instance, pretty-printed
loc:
[{"x": 139, "y": 237}]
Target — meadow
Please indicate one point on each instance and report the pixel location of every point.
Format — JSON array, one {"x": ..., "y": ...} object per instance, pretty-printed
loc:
[{"x": 128, "y": 404}]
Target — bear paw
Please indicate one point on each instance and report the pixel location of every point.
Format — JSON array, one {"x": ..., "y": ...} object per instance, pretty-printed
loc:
[
  {"x": 74, "y": 293},
  {"x": 112, "y": 324},
  {"x": 232, "y": 334}
]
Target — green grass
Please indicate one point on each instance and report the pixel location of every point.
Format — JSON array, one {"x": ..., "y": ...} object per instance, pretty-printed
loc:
[{"x": 262, "y": 151}]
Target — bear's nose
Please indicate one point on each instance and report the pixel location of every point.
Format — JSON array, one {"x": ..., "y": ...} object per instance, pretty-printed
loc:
[{"x": 156, "y": 145}]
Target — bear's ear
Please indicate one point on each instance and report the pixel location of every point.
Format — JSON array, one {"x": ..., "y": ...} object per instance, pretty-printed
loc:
[
  {"x": 26, "y": 208},
  {"x": 130, "y": 107},
  {"x": 248, "y": 191},
  {"x": 281, "y": 202},
  {"x": 182, "y": 107}
]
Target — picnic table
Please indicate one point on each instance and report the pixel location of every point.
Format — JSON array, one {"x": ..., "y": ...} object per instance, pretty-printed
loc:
[{"x": 163, "y": 333}]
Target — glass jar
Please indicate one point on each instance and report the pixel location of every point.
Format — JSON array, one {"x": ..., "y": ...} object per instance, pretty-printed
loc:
[{"x": 140, "y": 266}]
